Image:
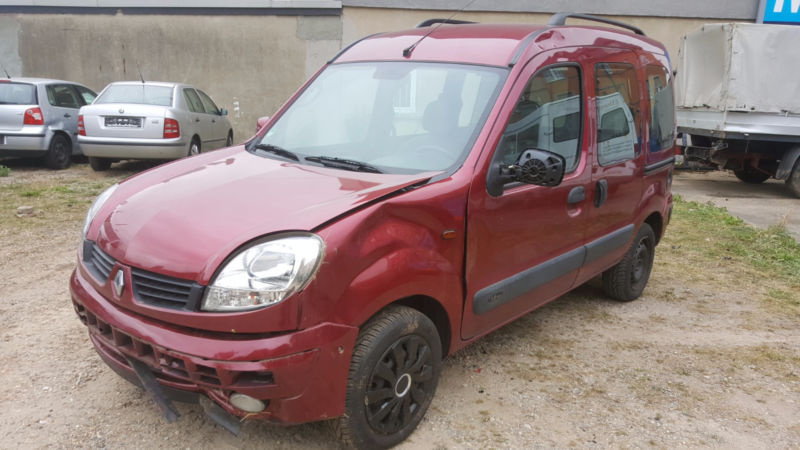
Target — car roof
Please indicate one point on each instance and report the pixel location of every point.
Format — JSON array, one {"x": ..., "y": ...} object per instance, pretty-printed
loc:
[
  {"x": 33, "y": 80},
  {"x": 488, "y": 44},
  {"x": 149, "y": 83}
]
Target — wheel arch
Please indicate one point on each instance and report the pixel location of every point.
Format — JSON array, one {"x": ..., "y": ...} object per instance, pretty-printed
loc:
[
  {"x": 434, "y": 310},
  {"x": 656, "y": 222}
]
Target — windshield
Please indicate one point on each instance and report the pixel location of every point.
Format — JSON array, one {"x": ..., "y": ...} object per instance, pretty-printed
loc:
[
  {"x": 17, "y": 94},
  {"x": 397, "y": 117},
  {"x": 137, "y": 93}
]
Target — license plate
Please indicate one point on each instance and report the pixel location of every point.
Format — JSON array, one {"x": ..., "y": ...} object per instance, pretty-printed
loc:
[{"x": 124, "y": 122}]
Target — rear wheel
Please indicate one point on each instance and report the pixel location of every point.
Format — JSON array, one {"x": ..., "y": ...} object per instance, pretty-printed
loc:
[
  {"x": 794, "y": 179},
  {"x": 393, "y": 377},
  {"x": 751, "y": 175},
  {"x": 626, "y": 280},
  {"x": 59, "y": 153},
  {"x": 99, "y": 164},
  {"x": 194, "y": 147}
]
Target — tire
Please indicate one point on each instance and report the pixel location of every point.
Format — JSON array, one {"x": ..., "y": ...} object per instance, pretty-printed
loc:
[
  {"x": 389, "y": 392},
  {"x": 751, "y": 175},
  {"x": 59, "y": 153},
  {"x": 99, "y": 164},
  {"x": 626, "y": 281},
  {"x": 793, "y": 182},
  {"x": 194, "y": 148},
  {"x": 229, "y": 141}
]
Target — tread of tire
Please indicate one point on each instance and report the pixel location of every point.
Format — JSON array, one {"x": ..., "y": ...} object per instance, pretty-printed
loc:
[{"x": 614, "y": 279}]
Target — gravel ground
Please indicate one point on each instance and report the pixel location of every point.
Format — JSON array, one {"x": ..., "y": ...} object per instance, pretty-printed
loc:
[{"x": 698, "y": 361}]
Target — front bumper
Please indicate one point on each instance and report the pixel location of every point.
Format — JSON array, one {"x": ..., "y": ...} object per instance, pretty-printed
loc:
[
  {"x": 126, "y": 148},
  {"x": 301, "y": 376}
]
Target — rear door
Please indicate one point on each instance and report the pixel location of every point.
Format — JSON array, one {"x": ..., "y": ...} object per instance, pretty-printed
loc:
[
  {"x": 197, "y": 117},
  {"x": 525, "y": 246},
  {"x": 618, "y": 162},
  {"x": 217, "y": 125},
  {"x": 62, "y": 113}
]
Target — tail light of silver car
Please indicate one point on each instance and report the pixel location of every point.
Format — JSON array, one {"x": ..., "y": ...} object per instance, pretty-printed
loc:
[
  {"x": 172, "y": 129},
  {"x": 33, "y": 116},
  {"x": 81, "y": 126}
]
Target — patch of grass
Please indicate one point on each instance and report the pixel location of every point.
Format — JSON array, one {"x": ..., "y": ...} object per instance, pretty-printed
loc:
[
  {"x": 706, "y": 237},
  {"x": 31, "y": 193},
  {"x": 4, "y": 171}
]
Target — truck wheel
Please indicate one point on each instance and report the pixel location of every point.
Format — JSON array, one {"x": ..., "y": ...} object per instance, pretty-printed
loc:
[
  {"x": 393, "y": 376},
  {"x": 751, "y": 175},
  {"x": 59, "y": 154},
  {"x": 794, "y": 179},
  {"x": 99, "y": 164},
  {"x": 626, "y": 281}
]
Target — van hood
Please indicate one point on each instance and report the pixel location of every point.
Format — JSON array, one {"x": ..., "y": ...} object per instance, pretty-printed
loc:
[{"x": 183, "y": 219}]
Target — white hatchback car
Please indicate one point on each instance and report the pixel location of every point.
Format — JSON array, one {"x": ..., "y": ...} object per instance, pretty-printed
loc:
[{"x": 150, "y": 120}]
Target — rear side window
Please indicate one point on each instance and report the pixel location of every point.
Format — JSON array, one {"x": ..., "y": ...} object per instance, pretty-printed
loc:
[
  {"x": 63, "y": 96},
  {"x": 617, "y": 99},
  {"x": 141, "y": 94},
  {"x": 193, "y": 100},
  {"x": 662, "y": 108},
  {"x": 547, "y": 116},
  {"x": 17, "y": 94}
]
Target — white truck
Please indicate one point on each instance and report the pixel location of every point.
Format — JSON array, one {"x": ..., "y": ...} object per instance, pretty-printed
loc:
[{"x": 738, "y": 100}]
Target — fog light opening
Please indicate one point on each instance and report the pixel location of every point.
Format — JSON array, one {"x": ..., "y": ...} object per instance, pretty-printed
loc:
[{"x": 247, "y": 403}]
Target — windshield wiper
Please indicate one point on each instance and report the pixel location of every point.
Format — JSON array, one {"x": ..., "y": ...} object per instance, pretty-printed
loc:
[
  {"x": 274, "y": 149},
  {"x": 341, "y": 163}
]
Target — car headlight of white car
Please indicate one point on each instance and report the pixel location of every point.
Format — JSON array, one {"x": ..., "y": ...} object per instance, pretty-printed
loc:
[
  {"x": 265, "y": 273},
  {"x": 96, "y": 205}
]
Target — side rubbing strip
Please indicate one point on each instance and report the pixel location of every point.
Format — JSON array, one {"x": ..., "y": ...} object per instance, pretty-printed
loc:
[
  {"x": 608, "y": 243},
  {"x": 648, "y": 169},
  {"x": 512, "y": 287}
]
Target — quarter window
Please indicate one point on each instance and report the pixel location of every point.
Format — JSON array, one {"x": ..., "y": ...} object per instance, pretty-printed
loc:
[
  {"x": 547, "y": 116},
  {"x": 662, "y": 108},
  {"x": 617, "y": 99}
]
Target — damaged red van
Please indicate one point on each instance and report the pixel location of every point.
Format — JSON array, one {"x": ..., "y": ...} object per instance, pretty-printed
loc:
[{"x": 424, "y": 188}]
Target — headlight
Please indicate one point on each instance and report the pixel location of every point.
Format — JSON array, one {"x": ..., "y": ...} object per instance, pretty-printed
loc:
[
  {"x": 265, "y": 273},
  {"x": 96, "y": 205}
]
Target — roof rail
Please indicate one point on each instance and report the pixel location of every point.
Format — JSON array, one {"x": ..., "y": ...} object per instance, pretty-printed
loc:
[
  {"x": 430, "y": 22},
  {"x": 559, "y": 19}
]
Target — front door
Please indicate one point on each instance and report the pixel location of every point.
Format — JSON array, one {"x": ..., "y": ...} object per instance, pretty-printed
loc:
[{"x": 525, "y": 245}]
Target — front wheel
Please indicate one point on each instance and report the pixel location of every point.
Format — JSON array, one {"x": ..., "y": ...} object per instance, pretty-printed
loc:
[
  {"x": 393, "y": 377},
  {"x": 626, "y": 281},
  {"x": 229, "y": 140}
]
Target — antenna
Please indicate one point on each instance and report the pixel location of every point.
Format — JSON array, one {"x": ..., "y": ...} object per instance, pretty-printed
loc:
[
  {"x": 6, "y": 71},
  {"x": 140, "y": 72},
  {"x": 407, "y": 51}
]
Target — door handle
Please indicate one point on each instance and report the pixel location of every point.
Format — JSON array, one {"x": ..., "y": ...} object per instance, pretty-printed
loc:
[
  {"x": 67, "y": 115},
  {"x": 600, "y": 193},
  {"x": 576, "y": 195}
]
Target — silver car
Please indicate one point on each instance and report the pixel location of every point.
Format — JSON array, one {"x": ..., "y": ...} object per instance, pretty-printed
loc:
[
  {"x": 150, "y": 120},
  {"x": 39, "y": 118}
]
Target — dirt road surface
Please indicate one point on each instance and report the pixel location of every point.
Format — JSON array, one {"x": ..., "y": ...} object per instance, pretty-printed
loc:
[
  {"x": 761, "y": 205},
  {"x": 698, "y": 361}
]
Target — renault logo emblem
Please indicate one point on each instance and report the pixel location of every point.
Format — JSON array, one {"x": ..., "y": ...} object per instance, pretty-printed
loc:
[{"x": 119, "y": 283}]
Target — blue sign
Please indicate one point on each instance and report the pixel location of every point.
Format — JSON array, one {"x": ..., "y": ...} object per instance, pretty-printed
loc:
[{"x": 782, "y": 11}]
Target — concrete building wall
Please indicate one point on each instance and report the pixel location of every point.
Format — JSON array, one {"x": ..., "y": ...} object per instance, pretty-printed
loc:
[{"x": 254, "y": 62}]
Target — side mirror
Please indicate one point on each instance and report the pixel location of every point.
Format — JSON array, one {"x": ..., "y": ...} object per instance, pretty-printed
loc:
[
  {"x": 534, "y": 166},
  {"x": 261, "y": 122},
  {"x": 223, "y": 112}
]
